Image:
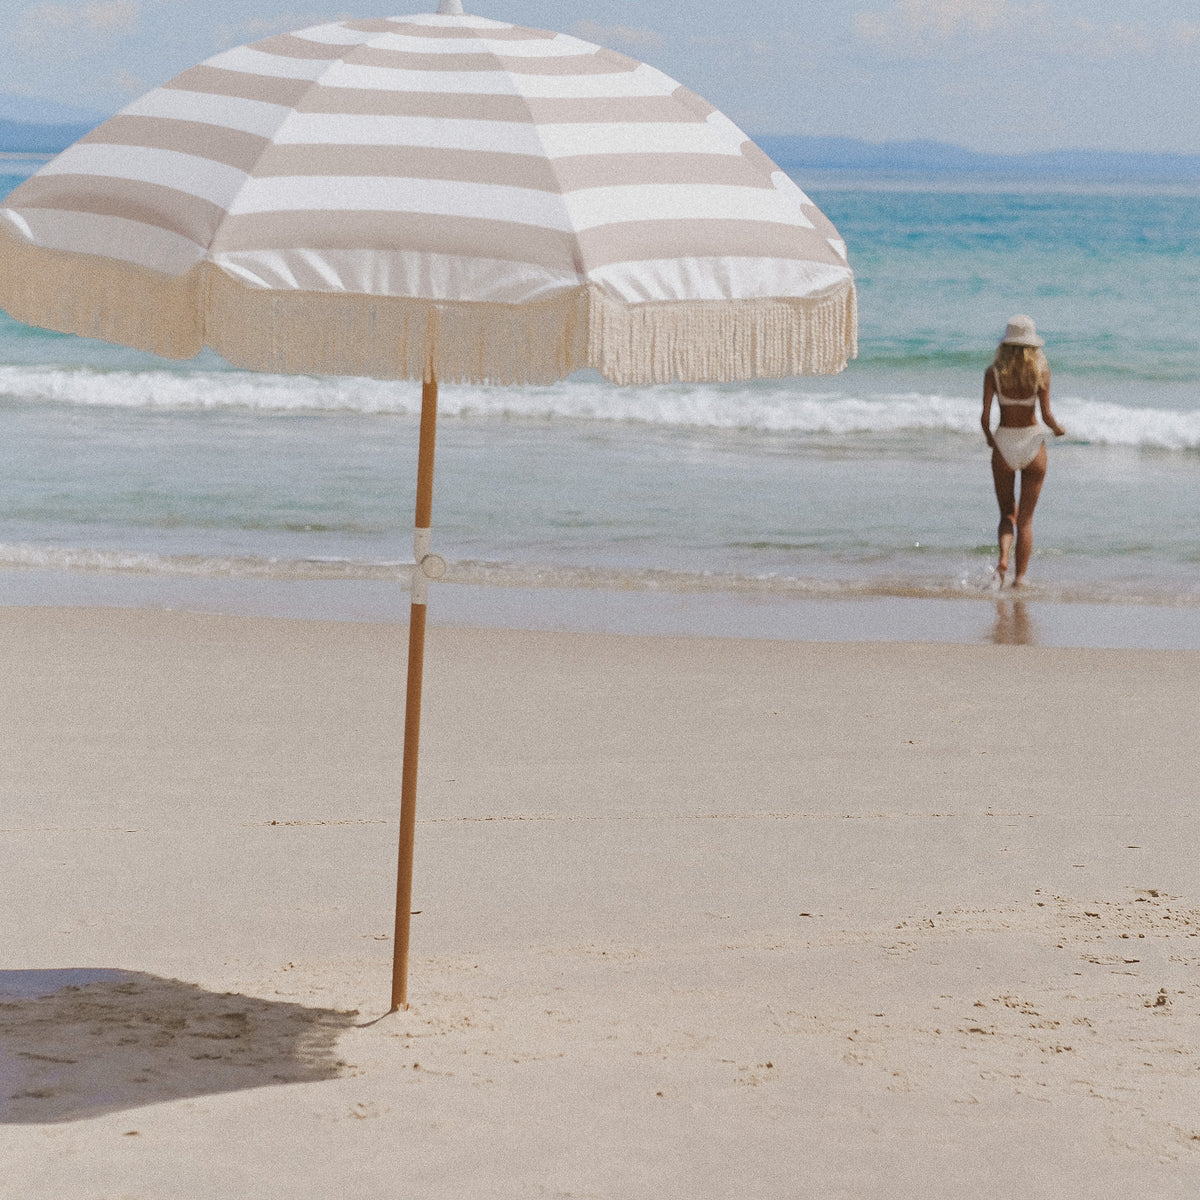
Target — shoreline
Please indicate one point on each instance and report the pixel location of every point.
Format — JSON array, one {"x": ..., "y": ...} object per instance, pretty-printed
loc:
[{"x": 1000, "y": 618}]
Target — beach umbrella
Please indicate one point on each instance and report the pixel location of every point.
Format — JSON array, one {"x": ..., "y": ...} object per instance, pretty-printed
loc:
[{"x": 437, "y": 197}]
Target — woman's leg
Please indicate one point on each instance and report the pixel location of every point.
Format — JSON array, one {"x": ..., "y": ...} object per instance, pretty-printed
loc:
[
  {"x": 1005, "y": 480},
  {"x": 1032, "y": 478}
]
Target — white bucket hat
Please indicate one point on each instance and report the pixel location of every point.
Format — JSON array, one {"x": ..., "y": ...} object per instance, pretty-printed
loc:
[{"x": 1021, "y": 332}]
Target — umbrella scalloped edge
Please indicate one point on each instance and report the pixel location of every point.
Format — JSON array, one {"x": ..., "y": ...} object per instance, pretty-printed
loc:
[{"x": 385, "y": 337}]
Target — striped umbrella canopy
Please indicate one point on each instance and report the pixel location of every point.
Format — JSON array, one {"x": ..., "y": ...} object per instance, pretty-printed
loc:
[{"x": 431, "y": 197}]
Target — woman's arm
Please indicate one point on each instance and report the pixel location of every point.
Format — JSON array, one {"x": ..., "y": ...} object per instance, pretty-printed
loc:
[
  {"x": 985, "y": 420},
  {"x": 1047, "y": 415}
]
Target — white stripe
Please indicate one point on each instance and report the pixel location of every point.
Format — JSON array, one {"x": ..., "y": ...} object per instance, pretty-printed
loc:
[
  {"x": 511, "y": 137},
  {"x": 111, "y": 237},
  {"x": 717, "y": 279},
  {"x": 332, "y": 35},
  {"x": 633, "y": 137},
  {"x": 463, "y": 22},
  {"x": 566, "y": 39},
  {"x": 257, "y": 62},
  {"x": 390, "y": 79},
  {"x": 231, "y": 112},
  {"x": 786, "y": 185},
  {"x": 559, "y": 46},
  {"x": 377, "y": 272},
  {"x": 590, "y": 209},
  {"x": 595, "y": 207},
  {"x": 723, "y": 127},
  {"x": 14, "y": 218},
  {"x": 437, "y": 197},
  {"x": 645, "y": 81},
  {"x": 454, "y": 277},
  {"x": 648, "y": 83},
  {"x": 202, "y": 177}
]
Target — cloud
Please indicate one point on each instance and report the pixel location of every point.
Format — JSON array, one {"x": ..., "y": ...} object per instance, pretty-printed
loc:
[
  {"x": 922, "y": 28},
  {"x": 126, "y": 83},
  {"x": 1184, "y": 35},
  {"x": 624, "y": 36},
  {"x": 925, "y": 21},
  {"x": 70, "y": 31},
  {"x": 102, "y": 16},
  {"x": 1085, "y": 39},
  {"x": 255, "y": 28}
]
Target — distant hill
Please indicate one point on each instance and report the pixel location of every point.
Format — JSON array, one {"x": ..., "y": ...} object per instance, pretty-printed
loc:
[
  {"x": 33, "y": 110},
  {"x": 849, "y": 154},
  {"x": 61, "y": 125},
  {"x": 39, "y": 139},
  {"x": 32, "y": 125}
]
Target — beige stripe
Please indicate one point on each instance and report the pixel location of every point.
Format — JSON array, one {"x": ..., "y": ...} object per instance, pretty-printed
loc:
[
  {"x": 637, "y": 241},
  {"x": 609, "y": 110},
  {"x": 514, "y": 33},
  {"x": 413, "y": 232},
  {"x": 363, "y": 102},
  {"x": 411, "y": 162},
  {"x": 285, "y": 45},
  {"x": 228, "y": 146},
  {"x": 306, "y": 96},
  {"x": 624, "y": 170},
  {"x": 463, "y": 106},
  {"x": 216, "y": 81},
  {"x": 604, "y": 62},
  {"x": 149, "y": 203},
  {"x": 759, "y": 158},
  {"x": 561, "y": 175},
  {"x": 257, "y": 156},
  {"x": 693, "y": 103}
]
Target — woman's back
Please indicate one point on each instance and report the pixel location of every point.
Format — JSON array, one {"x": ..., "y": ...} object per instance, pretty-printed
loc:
[{"x": 1019, "y": 375}]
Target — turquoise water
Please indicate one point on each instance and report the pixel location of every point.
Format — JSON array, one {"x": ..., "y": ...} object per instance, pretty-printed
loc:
[
  {"x": 875, "y": 482},
  {"x": 1113, "y": 276}
]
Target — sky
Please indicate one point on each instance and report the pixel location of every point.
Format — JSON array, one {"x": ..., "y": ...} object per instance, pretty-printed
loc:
[{"x": 999, "y": 75}]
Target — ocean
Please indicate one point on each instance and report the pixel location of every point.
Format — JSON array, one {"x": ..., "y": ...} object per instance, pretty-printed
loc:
[{"x": 778, "y": 497}]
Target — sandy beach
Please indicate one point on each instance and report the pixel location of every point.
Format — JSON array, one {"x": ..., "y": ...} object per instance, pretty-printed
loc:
[{"x": 697, "y": 917}]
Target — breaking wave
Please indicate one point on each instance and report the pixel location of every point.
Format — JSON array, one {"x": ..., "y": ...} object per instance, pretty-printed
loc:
[{"x": 791, "y": 407}]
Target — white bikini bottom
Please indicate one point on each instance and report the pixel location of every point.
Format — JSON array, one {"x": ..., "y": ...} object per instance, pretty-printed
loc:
[{"x": 1019, "y": 446}]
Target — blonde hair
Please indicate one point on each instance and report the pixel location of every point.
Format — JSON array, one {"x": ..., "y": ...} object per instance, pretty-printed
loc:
[{"x": 1020, "y": 370}]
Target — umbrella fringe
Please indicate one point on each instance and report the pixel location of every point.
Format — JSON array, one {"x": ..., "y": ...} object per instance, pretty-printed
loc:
[
  {"x": 721, "y": 341},
  {"x": 98, "y": 297},
  {"x": 391, "y": 337},
  {"x": 397, "y": 338}
]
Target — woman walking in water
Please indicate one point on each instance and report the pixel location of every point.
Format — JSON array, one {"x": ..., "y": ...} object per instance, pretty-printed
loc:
[{"x": 1019, "y": 379}]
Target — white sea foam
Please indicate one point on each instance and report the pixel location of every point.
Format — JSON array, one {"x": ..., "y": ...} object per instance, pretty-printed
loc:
[
  {"x": 139, "y": 562},
  {"x": 977, "y": 585},
  {"x": 1099, "y": 423},
  {"x": 787, "y": 407}
]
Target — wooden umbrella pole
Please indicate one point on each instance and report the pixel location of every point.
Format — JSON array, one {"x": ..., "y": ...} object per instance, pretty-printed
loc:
[{"x": 427, "y": 566}]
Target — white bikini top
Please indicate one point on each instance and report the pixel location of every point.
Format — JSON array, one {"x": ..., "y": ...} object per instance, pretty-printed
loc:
[{"x": 1028, "y": 402}]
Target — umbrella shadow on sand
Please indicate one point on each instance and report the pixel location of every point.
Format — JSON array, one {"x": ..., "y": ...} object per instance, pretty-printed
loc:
[{"x": 77, "y": 1043}]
